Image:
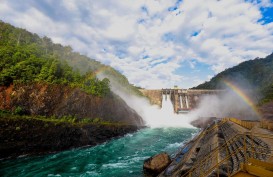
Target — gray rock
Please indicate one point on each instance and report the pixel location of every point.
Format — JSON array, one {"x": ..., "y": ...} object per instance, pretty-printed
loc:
[{"x": 156, "y": 164}]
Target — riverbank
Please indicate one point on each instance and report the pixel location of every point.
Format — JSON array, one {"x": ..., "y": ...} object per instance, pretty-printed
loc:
[
  {"x": 41, "y": 118},
  {"x": 27, "y": 135},
  {"x": 118, "y": 157}
]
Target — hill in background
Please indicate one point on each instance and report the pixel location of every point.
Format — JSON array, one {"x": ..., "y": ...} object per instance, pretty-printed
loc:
[
  {"x": 18, "y": 44},
  {"x": 255, "y": 74},
  {"x": 51, "y": 98}
]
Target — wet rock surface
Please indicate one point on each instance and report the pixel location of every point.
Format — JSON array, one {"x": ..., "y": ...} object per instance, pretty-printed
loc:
[
  {"x": 267, "y": 111},
  {"x": 58, "y": 100},
  {"x": 21, "y": 136},
  {"x": 203, "y": 122},
  {"x": 33, "y": 137},
  {"x": 156, "y": 164}
]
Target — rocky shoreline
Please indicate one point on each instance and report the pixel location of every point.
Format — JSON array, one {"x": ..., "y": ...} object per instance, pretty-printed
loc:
[
  {"x": 23, "y": 133},
  {"x": 36, "y": 137},
  {"x": 58, "y": 100}
]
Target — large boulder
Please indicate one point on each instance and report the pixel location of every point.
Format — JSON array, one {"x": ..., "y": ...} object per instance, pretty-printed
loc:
[{"x": 156, "y": 164}]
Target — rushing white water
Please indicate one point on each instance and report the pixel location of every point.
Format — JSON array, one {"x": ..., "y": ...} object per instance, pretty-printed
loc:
[
  {"x": 165, "y": 117},
  {"x": 153, "y": 115},
  {"x": 181, "y": 101},
  {"x": 187, "y": 102},
  {"x": 118, "y": 158}
]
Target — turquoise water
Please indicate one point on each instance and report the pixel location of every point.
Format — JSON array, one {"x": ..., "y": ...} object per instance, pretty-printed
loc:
[{"x": 117, "y": 158}]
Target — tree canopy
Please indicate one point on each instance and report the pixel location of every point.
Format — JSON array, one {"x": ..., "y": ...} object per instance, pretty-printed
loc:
[
  {"x": 257, "y": 73},
  {"x": 27, "y": 58},
  {"x": 18, "y": 44}
]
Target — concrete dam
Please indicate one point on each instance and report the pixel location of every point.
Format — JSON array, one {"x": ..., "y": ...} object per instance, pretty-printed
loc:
[
  {"x": 227, "y": 147},
  {"x": 183, "y": 100}
]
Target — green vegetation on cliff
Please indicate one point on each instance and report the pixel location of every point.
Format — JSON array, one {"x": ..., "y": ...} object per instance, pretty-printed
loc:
[
  {"x": 257, "y": 73},
  {"x": 18, "y": 115},
  {"x": 52, "y": 98},
  {"x": 26, "y": 57},
  {"x": 268, "y": 94},
  {"x": 33, "y": 135}
]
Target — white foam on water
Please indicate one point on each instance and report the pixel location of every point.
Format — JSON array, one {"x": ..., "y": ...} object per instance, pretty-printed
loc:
[
  {"x": 165, "y": 117},
  {"x": 92, "y": 173},
  {"x": 57, "y": 175},
  {"x": 174, "y": 145},
  {"x": 115, "y": 165},
  {"x": 136, "y": 159},
  {"x": 153, "y": 115}
]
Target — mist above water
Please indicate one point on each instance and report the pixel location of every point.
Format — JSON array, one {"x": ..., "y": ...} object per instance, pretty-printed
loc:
[
  {"x": 153, "y": 115},
  {"x": 226, "y": 104},
  {"x": 165, "y": 117}
]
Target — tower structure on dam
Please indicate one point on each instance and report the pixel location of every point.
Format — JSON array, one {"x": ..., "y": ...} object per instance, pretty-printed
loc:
[{"x": 183, "y": 100}]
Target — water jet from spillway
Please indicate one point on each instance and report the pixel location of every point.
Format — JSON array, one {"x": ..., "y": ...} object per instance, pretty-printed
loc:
[
  {"x": 165, "y": 117},
  {"x": 152, "y": 115}
]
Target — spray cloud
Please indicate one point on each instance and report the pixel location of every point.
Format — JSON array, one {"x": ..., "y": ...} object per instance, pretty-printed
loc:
[
  {"x": 152, "y": 115},
  {"x": 238, "y": 100},
  {"x": 226, "y": 104}
]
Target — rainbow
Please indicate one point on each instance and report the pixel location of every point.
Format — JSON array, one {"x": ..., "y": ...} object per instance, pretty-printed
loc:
[
  {"x": 99, "y": 70},
  {"x": 242, "y": 95}
]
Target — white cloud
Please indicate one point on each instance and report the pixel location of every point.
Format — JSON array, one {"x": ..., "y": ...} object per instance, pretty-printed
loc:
[
  {"x": 145, "y": 40},
  {"x": 70, "y": 5},
  {"x": 262, "y": 3}
]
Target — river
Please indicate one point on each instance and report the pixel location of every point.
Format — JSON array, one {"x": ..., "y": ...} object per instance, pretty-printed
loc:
[{"x": 121, "y": 157}]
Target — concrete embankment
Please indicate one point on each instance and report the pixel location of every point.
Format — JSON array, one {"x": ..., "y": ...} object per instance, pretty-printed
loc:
[{"x": 225, "y": 148}]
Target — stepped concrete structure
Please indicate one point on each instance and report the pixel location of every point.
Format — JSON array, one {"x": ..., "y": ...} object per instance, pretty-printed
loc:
[
  {"x": 183, "y": 100},
  {"x": 227, "y": 147}
]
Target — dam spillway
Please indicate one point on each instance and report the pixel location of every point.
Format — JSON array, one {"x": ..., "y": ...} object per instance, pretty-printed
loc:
[
  {"x": 227, "y": 147},
  {"x": 183, "y": 100}
]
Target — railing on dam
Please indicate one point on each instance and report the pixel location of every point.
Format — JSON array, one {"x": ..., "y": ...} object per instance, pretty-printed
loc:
[
  {"x": 190, "y": 91},
  {"x": 249, "y": 152},
  {"x": 235, "y": 155},
  {"x": 266, "y": 124},
  {"x": 247, "y": 124}
]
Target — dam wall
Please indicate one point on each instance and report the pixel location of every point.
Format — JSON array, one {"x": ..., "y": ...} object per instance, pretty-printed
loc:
[
  {"x": 183, "y": 100},
  {"x": 155, "y": 96}
]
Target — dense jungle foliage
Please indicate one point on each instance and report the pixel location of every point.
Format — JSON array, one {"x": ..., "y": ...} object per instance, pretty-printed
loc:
[
  {"x": 256, "y": 74},
  {"x": 26, "y": 58}
]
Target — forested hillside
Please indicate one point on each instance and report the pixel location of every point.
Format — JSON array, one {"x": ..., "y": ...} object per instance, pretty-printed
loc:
[
  {"x": 51, "y": 98},
  {"x": 26, "y": 57},
  {"x": 32, "y": 69},
  {"x": 256, "y": 74}
]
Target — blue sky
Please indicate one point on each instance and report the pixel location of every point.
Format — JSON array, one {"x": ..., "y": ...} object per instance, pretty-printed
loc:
[{"x": 154, "y": 43}]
